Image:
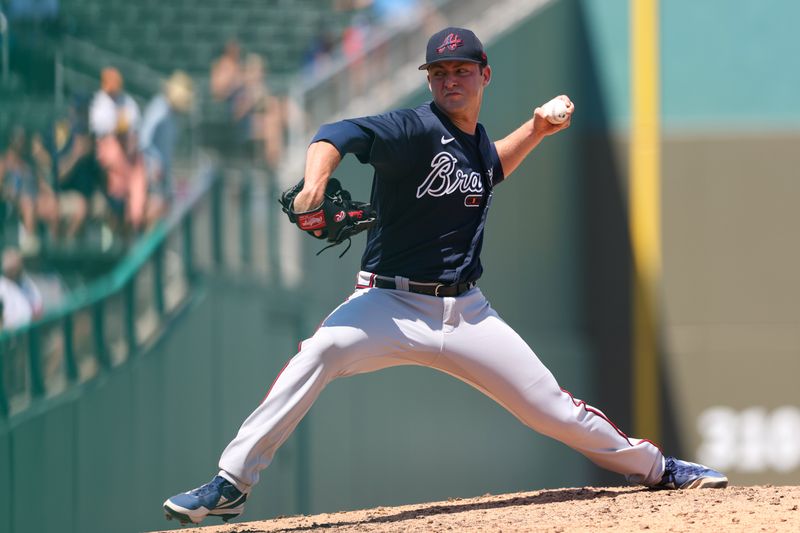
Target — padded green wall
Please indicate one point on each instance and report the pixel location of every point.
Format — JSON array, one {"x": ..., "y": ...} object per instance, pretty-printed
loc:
[{"x": 724, "y": 63}]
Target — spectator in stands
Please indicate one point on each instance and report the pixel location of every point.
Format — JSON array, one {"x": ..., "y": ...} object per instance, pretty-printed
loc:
[
  {"x": 14, "y": 271},
  {"x": 33, "y": 15},
  {"x": 42, "y": 164},
  {"x": 354, "y": 39},
  {"x": 226, "y": 81},
  {"x": 74, "y": 165},
  {"x": 25, "y": 187},
  {"x": 320, "y": 53},
  {"x": 16, "y": 309},
  {"x": 274, "y": 124},
  {"x": 226, "y": 72},
  {"x": 114, "y": 118},
  {"x": 33, "y": 10},
  {"x": 159, "y": 136},
  {"x": 252, "y": 106},
  {"x": 351, "y": 5},
  {"x": 396, "y": 13}
]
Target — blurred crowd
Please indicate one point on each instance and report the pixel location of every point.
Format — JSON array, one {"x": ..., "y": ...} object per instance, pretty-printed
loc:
[
  {"x": 105, "y": 163},
  {"x": 103, "y": 158},
  {"x": 370, "y": 18},
  {"x": 256, "y": 118}
]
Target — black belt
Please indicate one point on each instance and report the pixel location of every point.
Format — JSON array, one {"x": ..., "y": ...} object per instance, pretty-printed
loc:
[{"x": 431, "y": 289}]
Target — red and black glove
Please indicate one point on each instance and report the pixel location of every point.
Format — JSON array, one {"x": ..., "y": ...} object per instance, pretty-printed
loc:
[{"x": 338, "y": 218}]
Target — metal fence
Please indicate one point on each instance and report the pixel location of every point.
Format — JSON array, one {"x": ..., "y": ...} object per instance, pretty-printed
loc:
[
  {"x": 108, "y": 322},
  {"x": 80, "y": 383}
]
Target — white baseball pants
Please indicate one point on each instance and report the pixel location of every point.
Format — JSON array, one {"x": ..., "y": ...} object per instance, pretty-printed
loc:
[{"x": 461, "y": 336}]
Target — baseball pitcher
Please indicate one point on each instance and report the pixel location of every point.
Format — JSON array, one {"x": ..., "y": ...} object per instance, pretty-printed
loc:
[{"x": 416, "y": 298}]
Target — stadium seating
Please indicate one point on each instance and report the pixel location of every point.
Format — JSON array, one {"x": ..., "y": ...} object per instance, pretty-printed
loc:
[{"x": 189, "y": 34}]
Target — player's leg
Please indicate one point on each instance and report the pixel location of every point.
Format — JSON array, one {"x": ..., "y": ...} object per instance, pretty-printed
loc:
[
  {"x": 374, "y": 329},
  {"x": 485, "y": 352}
]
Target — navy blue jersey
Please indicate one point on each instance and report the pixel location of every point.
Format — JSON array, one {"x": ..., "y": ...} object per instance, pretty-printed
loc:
[{"x": 432, "y": 190}]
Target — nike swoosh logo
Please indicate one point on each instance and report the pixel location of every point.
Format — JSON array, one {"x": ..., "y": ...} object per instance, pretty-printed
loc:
[{"x": 445, "y": 141}]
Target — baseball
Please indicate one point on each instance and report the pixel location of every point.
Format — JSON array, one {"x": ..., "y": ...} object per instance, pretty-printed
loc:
[{"x": 556, "y": 111}]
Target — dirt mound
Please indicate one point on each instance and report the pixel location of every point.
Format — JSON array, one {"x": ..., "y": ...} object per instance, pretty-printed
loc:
[{"x": 586, "y": 509}]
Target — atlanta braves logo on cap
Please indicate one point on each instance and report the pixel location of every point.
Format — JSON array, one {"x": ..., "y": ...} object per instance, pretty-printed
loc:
[
  {"x": 454, "y": 44},
  {"x": 451, "y": 42}
]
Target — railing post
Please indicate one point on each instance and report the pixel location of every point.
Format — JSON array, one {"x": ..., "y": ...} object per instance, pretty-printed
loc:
[
  {"x": 3, "y": 392},
  {"x": 158, "y": 280},
  {"x": 4, "y": 44},
  {"x": 59, "y": 79},
  {"x": 35, "y": 362},
  {"x": 3, "y": 214},
  {"x": 216, "y": 221},
  {"x": 302, "y": 439},
  {"x": 272, "y": 233},
  {"x": 69, "y": 349},
  {"x": 297, "y": 120},
  {"x": 188, "y": 247},
  {"x": 245, "y": 215},
  {"x": 129, "y": 296},
  {"x": 99, "y": 334},
  {"x": 24, "y": 354}
]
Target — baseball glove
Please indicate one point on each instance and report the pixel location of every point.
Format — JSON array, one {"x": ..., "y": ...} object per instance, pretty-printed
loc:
[{"x": 338, "y": 218}]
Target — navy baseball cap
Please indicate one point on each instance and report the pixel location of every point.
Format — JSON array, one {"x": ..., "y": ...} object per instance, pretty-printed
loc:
[{"x": 454, "y": 44}]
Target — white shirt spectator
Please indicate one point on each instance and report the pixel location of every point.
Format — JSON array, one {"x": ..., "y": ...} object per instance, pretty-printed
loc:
[
  {"x": 108, "y": 115},
  {"x": 16, "y": 309},
  {"x": 32, "y": 293}
]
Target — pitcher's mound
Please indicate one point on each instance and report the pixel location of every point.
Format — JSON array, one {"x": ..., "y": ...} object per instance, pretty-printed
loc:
[{"x": 588, "y": 509}]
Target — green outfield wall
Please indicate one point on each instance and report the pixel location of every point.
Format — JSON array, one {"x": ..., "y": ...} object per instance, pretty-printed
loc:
[
  {"x": 731, "y": 128},
  {"x": 726, "y": 64},
  {"x": 557, "y": 252}
]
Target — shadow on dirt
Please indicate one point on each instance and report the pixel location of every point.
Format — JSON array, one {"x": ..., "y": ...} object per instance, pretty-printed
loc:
[{"x": 543, "y": 497}]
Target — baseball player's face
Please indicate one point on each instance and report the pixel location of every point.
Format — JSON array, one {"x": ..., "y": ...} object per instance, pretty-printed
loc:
[{"x": 457, "y": 86}]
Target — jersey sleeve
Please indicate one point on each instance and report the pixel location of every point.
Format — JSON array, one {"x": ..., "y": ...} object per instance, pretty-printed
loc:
[
  {"x": 347, "y": 138},
  {"x": 383, "y": 141}
]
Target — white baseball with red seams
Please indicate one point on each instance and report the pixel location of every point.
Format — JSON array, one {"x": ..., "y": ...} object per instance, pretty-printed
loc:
[
  {"x": 460, "y": 336},
  {"x": 556, "y": 111}
]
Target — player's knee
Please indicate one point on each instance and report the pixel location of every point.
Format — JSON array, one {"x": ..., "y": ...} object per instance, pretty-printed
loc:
[
  {"x": 549, "y": 410},
  {"x": 323, "y": 351}
]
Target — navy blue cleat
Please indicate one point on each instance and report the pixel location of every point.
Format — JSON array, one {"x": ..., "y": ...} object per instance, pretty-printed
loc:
[
  {"x": 218, "y": 497},
  {"x": 685, "y": 475}
]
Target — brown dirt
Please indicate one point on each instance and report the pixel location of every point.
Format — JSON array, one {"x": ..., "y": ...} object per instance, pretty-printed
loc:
[{"x": 588, "y": 509}]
